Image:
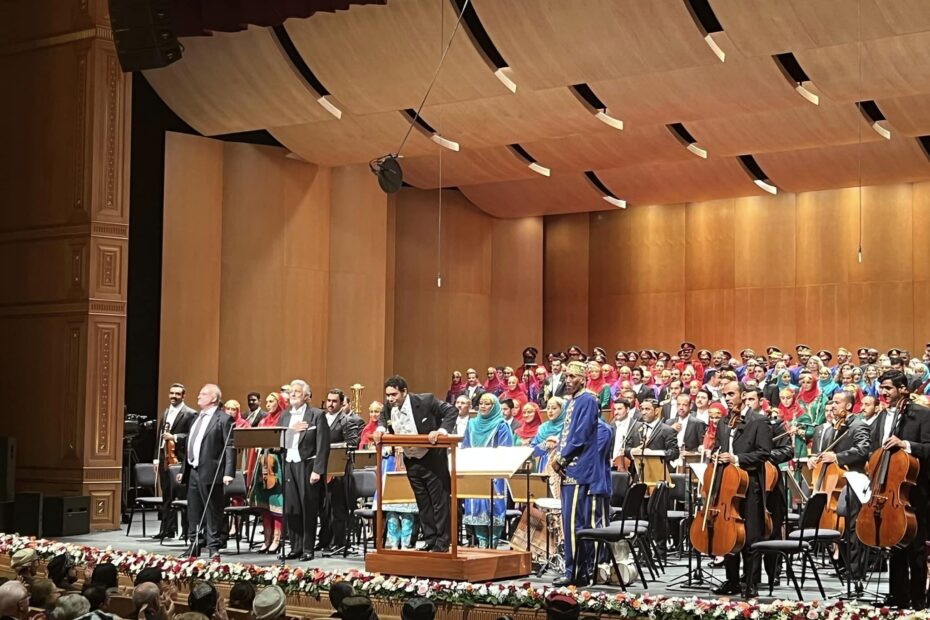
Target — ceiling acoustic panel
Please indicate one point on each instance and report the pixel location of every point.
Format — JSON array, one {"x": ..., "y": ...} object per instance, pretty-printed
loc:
[
  {"x": 558, "y": 43},
  {"x": 687, "y": 181},
  {"x": 898, "y": 160},
  {"x": 380, "y": 58},
  {"x": 466, "y": 167},
  {"x": 229, "y": 83},
  {"x": 560, "y": 193},
  {"x": 354, "y": 139},
  {"x": 907, "y": 116}
]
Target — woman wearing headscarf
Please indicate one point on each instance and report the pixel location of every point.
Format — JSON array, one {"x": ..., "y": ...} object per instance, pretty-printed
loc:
[
  {"x": 266, "y": 481},
  {"x": 515, "y": 392},
  {"x": 549, "y": 432},
  {"x": 542, "y": 377},
  {"x": 374, "y": 412},
  {"x": 826, "y": 383},
  {"x": 530, "y": 421},
  {"x": 870, "y": 377},
  {"x": 488, "y": 429},
  {"x": 234, "y": 410},
  {"x": 494, "y": 384},
  {"x": 624, "y": 375},
  {"x": 455, "y": 388},
  {"x": 598, "y": 386}
]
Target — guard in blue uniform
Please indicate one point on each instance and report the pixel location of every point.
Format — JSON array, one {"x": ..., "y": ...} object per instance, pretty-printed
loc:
[{"x": 579, "y": 463}]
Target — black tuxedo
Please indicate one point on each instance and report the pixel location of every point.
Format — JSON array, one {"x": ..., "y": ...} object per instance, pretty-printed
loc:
[
  {"x": 216, "y": 459},
  {"x": 476, "y": 395},
  {"x": 822, "y": 438},
  {"x": 908, "y": 566},
  {"x": 345, "y": 429},
  {"x": 694, "y": 433},
  {"x": 428, "y": 475},
  {"x": 303, "y": 499},
  {"x": 662, "y": 437},
  {"x": 179, "y": 428},
  {"x": 752, "y": 446},
  {"x": 553, "y": 387}
]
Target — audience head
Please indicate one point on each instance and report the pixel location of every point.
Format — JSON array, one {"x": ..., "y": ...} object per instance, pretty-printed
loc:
[
  {"x": 43, "y": 594},
  {"x": 25, "y": 561},
  {"x": 241, "y": 595},
  {"x": 204, "y": 598},
  {"x": 374, "y": 410},
  {"x": 269, "y": 604},
  {"x": 96, "y": 595},
  {"x": 562, "y": 607},
  {"x": 554, "y": 407},
  {"x": 149, "y": 574},
  {"x": 106, "y": 575},
  {"x": 507, "y": 408},
  {"x": 338, "y": 592},
  {"x": 14, "y": 600},
  {"x": 357, "y": 607},
  {"x": 147, "y": 595},
  {"x": 418, "y": 608},
  {"x": 70, "y": 606},
  {"x": 463, "y": 405},
  {"x": 61, "y": 570}
]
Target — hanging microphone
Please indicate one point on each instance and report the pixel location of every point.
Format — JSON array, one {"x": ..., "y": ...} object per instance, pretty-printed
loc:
[{"x": 389, "y": 173}]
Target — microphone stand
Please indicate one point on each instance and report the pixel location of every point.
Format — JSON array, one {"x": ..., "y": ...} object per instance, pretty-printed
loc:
[{"x": 194, "y": 549}]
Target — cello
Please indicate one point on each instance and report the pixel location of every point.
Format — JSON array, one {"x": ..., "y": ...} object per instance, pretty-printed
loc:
[
  {"x": 888, "y": 520},
  {"x": 828, "y": 478},
  {"x": 718, "y": 527}
]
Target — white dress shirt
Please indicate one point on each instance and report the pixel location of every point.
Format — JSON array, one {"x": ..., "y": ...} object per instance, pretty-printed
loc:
[
  {"x": 198, "y": 430},
  {"x": 172, "y": 414},
  {"x": 681, "y": 434},
  {"x": 293, "y": 454},
  {"x": 461, "y": 424},
  {"x": 703, "y": 416},
  {"x": 330, "y": 418},
  {"x": 622, "y": 430}
]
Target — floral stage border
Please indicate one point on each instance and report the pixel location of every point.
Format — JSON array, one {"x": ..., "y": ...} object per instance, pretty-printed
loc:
[{"x": 392, "y": 590}]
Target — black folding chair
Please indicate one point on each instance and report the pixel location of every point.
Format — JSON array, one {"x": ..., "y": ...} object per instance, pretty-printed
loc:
[
  {"x": 366, "y": 486},
  {"x": 146, "y": 480},
  {"x": 799, "y": 542},
  {"x": 243, "y": 515}
]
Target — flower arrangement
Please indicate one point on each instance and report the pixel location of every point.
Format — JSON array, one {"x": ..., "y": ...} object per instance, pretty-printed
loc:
[{"x": 312, "y": 582}]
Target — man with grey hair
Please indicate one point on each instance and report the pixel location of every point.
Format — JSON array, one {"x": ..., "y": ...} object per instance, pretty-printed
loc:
[
  {"x": 14, "y": 600},
  {"x": 306, "y": 444},
  {"x": 269, "y": 604},
  {"x": 210, "y": 459},
  {"x": 70, "y": 606}
]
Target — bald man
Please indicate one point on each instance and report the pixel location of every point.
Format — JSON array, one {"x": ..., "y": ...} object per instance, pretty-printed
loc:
[{"x": 14, "y": 600}]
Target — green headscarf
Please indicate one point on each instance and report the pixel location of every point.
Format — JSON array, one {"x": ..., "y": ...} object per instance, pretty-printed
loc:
[
  {"x": 551, "y": 428},
  {"x": 483, "y": 427}
]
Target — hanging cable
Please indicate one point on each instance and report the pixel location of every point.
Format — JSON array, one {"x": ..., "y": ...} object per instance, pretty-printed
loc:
[
  {"x": 859, "y": 150},
  {"x": 442, "y": 36}
]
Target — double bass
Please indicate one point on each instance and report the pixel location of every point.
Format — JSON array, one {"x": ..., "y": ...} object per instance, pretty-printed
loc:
[
  {"x": 718, "y": 527},
  {"x": 888, "y": 520}
]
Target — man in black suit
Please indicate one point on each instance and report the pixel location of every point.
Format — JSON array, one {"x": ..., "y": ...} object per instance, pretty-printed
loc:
[
  {"x": 427, "y": 469},
  {"x": 906, "y": 425},
  {"x": 345, "y": 430},
  {"x": 306, "y": 451},
  {"x": 174, "y": 423},
  {"x": 744, "y": 441},
  {"x": 851, "y": 451},
  {"x": 657, "y": 435},
  {"x": 555, "y": 382},
  {"x": 689, "y": 430},
  {"x": 473, "y": 387},
  {"x": 210, "y": 459}
]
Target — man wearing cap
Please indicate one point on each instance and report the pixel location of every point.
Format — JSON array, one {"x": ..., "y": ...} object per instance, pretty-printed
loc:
[
  {"x": 578, "y": 462},
  {"x": 269, "y": 604},
  {"x": 357, "y": 607},
  {"x": 745, "y": 355},
  {"x": 576, "y": 354},
  {"x": 562, "y": 607},
  {"x": 804, "y": 353},
  {"x": 418, "y": 608},
  {"x": 863, "y": 354},
  {"x": 25, "y": 563}
]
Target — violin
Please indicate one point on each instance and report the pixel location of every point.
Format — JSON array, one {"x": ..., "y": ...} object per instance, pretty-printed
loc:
[
  {"x": 888, "y": 520},
  {"x": 718, "y": 527},
  {"x": 268, "y": 474}
]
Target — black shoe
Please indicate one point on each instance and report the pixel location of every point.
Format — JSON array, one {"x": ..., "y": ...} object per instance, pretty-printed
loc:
[
  {"x": 891, "y": 601},
  {"x": 294, "y": 555},
  {"x": 726, "y": 588},
  {"x": 427, "y": 547},
  {"x": 562, "y": 581},
  {"x": 319, "y": 547},
  {"x": 306, "y": 557},
  {"x": 440, "y": 549},
  {"x": 751, "y": 593},
  {"x": 334, "y": 550},
  {"x": 158, "y": 536}
]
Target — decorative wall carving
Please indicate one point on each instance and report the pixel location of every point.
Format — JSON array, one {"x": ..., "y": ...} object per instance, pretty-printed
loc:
[
  {"x": 109, "y": 263},
  {"x": 112, "y": 138},
  {"x": 80, "y": 186},
  {"x": 110, "y": 229},
  {"x": 112, "y": 308},
  {"x": 106, "y": 338}
]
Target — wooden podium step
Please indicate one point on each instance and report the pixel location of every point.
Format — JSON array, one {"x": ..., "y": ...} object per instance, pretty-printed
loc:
[{"x": 469, "y": 565}]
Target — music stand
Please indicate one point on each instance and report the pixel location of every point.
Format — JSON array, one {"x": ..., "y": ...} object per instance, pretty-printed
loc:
[{"x": 265, "y": 438}]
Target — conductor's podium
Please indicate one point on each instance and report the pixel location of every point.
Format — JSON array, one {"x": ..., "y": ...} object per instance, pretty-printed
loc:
[{"x": 461, "y": 564}]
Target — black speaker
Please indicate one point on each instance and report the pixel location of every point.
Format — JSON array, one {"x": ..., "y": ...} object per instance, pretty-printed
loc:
[
  {"x": 66, "y": 516},
  {"x": 144, "y": 34},
  {"x": 7, "y": 468},
  {"x": 28, "y": 518}
]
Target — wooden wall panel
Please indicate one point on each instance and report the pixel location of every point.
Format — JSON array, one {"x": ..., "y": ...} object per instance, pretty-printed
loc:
[
  {"x": 882, "y": 314},
  {"x": 710, "y": 318},
  {"x": 764, "y": 317},
  {"x": 824, "y": 236},
  {"x": 190, "y": 309},
  {"x": 566, "y": 243},
  {"x": 516, "y": 287},
  {"x": 710, "y": 230},
  {"x": 358, "y": 252},
  {"x": 764, "y": 241},
  {"x": 921, "y": 232},
  {"x": 887, "y": 251}
]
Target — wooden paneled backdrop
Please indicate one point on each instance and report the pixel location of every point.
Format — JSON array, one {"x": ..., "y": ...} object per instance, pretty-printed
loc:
[{"x": 275, "y": 269}]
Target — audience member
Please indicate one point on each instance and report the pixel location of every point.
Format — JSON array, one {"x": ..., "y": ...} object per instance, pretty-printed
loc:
[
  {"x": 148, "y": 602},
  {"x": 338, "y": 592},
  {"x": 562, "y": 607},
  {"x": 206, "y": 600},
  {"x": 269, "y": 604},
  {"x": 62, "y": 572},
  {"x": 14, "y": 601},
  {"x": 43, "y": 594},
  {"x": 106, "y": 575},
  {"x": 357, "y": 607},
  {"x": 149, "y": 574},
  {"x": 97, "y": 595},
  {"x": 418, "y": 608},
  {"x": 24, "y": 563},
  {"x": 241, "y": 595},
  {"x": 70, "y": 606}
]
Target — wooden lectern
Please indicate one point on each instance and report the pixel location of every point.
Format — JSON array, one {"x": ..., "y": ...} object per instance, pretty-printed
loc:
[
  {"x": 467, "y": 564},
  {"x": 264, "y": 438}
]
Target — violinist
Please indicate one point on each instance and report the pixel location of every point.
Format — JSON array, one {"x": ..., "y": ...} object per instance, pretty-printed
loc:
[
  {"x": 623, "y": 424},
  {"x": 911, "y": 433},
  {"x": 744, "y": 441},
  {"x": 173, "y": 426},
  {"x": 846, "y": 443},
  {"x": 265, "y": 482}
]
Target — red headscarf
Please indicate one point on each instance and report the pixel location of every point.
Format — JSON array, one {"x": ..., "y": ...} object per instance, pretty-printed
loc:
[
  {"x": 272, "y": 419},
  {"x": 518, "y": 396},
  {"x": 596, "y": 385},
  {"x": 809, "y": 396},
  {"x": 787, "y": 414},
  {"x": 710, "y": 437},
  {"x": 367, "y": 431},
  {"x": 494, "y": 384},
  {"x": 458, "y": 386},
  {"x": 528, "y": 430}
]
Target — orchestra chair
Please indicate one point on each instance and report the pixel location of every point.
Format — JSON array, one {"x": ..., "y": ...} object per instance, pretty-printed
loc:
[
  {"x": 679, "y": 498},
  {"x": 800, "y": 542},
  {"x": 177, "y": 506},
  {"x": 243, "y": 516},
  {"x": 146, "y": 480},
  {"x": 631, "y": 527},
  {"x": 366, "y": 486},
  {"x": 619, "y": 483}
]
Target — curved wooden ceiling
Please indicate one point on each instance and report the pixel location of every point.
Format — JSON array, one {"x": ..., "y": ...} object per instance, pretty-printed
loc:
[{"x": 646, "y": 62}]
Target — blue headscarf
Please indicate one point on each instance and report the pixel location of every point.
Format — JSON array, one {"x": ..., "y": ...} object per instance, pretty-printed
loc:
[
  {"x": 483, "y": 427},
  {"x": 551, "y": 428},
  {"x": 827, "y": 386}
]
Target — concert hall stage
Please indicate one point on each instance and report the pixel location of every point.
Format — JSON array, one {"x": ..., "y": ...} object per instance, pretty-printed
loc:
[{"x": 601, "y": 598}]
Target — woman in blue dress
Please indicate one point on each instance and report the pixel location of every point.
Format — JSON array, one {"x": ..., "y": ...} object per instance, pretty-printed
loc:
[
  {"x": 488, "y": 429},
  {"x": 547, "y": 437}
]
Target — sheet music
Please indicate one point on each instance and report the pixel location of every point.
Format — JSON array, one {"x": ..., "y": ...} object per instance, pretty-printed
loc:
[
  {"x": 861, "y": 485},
  {"x": 500, "y": 461},
  {"x": 647, "y": 452}
]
